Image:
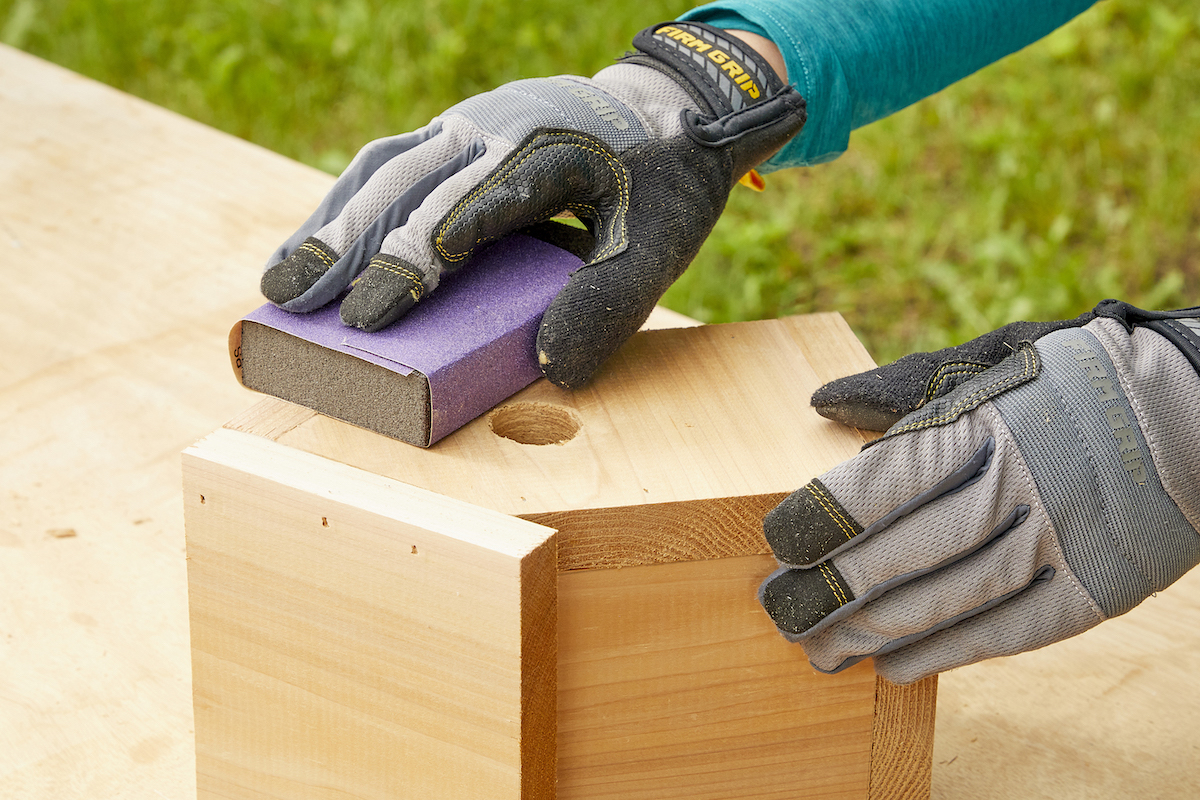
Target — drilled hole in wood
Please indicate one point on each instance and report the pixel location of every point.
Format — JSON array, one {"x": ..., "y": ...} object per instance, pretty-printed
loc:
[{"x": 535, "y": 423}]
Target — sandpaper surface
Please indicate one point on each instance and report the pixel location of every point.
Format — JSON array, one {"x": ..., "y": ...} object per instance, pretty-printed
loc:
[{"x": 469, "y": 345}]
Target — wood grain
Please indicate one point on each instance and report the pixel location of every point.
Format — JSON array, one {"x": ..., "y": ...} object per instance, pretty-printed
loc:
[
  {"x": 675, "y": 416},
  {"x": 902, "y": 741},
  {"x": 143, "y": 186},
  {"x": 672, "y": 681},
  {"x": 353, "y": 636},
  {"x": 132, "y": 240},
  {"x": 674, "y": 684},
  {"x": 606, "y": 538}
]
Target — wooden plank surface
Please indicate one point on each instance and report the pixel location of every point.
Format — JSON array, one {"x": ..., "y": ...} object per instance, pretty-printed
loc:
[
  {"x": 675, "y": 416},
  {"x": 903, "y": 740},
  {"x": 674, "y": 683},
  {"x": 130, "y": 240},
  {"x": 354, "y": 636},
  {"x": 672, "y": 686}
]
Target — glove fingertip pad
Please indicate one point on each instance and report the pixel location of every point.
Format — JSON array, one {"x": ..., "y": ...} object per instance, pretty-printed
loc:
[
  {"x": 809, "y": 525},
  {"x": 798, "y": 599},
  {"x": 296, "y": 274},
  {"x": 867, "y": 401},
  {"x": 387, "y": 290}
]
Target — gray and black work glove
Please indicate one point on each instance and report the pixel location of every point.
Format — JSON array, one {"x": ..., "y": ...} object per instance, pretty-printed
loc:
[
  {"x": 1030, "y": 502},
  {"x": 645, "y": 153}
]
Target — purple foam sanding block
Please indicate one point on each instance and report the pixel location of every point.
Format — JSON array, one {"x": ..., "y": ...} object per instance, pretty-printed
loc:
[{"x": 465, "y": 348}]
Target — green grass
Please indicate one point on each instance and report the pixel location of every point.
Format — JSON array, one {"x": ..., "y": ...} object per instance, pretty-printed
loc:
[{"x": 1064, "y": 174}]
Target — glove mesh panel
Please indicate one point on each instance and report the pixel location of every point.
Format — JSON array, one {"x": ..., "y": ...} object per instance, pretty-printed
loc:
[
  {"x": 949, "y": 527},
  {"x": 1043, "y": 614},
  {"x": 888, "y": 475},
  {"x": 390, "y": 181}
]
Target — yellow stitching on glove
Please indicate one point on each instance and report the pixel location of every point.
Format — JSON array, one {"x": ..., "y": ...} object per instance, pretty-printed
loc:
[
  {"x": 318, "y": 252},
  {"x": 837, "y": 517},
  {"x": 985, "y": 392},
  {"x": 527, "y": 151},
  {"x": 947, "y": 370},
  {"x": 416, "y": 291},
  {"x": 832, "y": 583}
]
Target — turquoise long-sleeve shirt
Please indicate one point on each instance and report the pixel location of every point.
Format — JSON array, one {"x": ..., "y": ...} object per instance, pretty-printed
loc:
[{"x": 856, "y": 61}]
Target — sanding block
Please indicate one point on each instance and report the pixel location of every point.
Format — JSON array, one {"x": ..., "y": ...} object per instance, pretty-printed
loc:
[{"x": 465, "y": 348}]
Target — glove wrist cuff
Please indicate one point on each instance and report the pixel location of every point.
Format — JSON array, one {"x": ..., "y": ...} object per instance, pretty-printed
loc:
[
  {"x": 1183, "y": 333},
  {"x": 723, "y": 71},
  {"x": 1181, "y": 328}
]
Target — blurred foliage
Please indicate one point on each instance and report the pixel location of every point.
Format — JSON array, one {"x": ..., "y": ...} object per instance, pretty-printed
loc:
[
  {"x": 316, "y": 79},
  {"x": 1059, "y": 176}
]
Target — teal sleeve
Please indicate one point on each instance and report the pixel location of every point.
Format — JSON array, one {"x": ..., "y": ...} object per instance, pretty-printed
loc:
[{"x": 856, "y": 61}]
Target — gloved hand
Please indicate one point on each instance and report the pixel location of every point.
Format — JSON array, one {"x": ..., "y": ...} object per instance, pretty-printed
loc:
[
  {"x": 645, "y": 153},
  {"x": 1028, "y": 503}
]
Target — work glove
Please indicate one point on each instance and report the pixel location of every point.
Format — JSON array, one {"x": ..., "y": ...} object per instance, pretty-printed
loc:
[
  {"x": 645, "y": 153},
  {"x": 1023, "y": 505}
]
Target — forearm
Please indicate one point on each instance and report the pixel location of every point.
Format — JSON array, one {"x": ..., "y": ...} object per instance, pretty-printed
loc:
[
  {"x": 856, "y": 61},
  {"x": 766, "y": 48}
]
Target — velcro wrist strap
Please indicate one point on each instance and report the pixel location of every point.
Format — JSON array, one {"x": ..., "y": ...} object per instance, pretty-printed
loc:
[
  {"x": 1181, "y": 328},
  {"x": 726, "y": 72},
  {"x": 1184, "y": 333}
]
